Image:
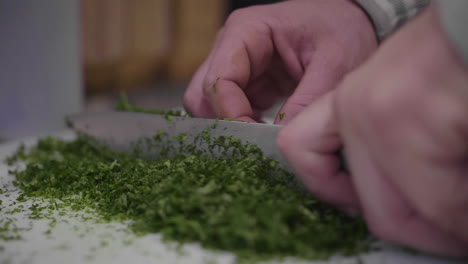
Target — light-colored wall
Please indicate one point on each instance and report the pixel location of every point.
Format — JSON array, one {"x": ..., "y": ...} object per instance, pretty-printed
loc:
[{"x": 40, "y": 65}]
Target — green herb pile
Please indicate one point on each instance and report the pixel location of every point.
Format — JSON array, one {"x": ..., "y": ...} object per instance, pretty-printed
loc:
[{"x": 237, "y": 200}]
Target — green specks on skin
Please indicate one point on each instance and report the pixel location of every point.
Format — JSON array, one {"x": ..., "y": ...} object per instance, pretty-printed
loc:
[
  {"x": 215, "y": 85},
  {"x": 281, "y": 116}
]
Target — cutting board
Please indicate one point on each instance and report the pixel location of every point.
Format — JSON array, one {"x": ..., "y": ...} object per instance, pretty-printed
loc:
[{"x": 74, "y": 240}]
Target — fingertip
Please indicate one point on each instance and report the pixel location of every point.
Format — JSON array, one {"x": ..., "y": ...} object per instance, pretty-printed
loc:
[
  {"x": 188, "y": 102},
  {"x": 290, "y": 110},
  {"x": 229, "y": 100},
  {"x": 310, "y": 144},
  {"x": 197, "y": 105}
]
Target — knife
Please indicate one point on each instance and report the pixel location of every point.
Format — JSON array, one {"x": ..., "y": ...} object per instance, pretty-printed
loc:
[{"x": 121, "y": 130}]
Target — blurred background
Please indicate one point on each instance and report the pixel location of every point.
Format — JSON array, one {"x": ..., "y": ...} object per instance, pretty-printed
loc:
[
  {"x": 65, "y": 56},
  {"x": 149, "y": 48}
]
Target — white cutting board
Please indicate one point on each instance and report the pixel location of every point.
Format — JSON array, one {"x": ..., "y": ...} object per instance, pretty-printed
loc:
[{"x": 77, "y": 241}]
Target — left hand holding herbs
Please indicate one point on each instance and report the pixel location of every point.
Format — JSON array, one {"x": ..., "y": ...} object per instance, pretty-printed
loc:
[{"x": 402, "y": 120}]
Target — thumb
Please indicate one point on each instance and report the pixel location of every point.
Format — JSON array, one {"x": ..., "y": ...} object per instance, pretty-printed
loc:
[
  {"x": 310, "y": 143},
  {"x": 321, "y": 75}
]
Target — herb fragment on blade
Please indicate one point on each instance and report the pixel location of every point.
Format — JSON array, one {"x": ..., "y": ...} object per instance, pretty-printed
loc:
[{"x": 124, "y": 105}]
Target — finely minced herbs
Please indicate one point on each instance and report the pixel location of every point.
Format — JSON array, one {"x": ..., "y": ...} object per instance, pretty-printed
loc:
[
  {"x": 226, "y": 197},
  {"x": 236, "y": 200}
]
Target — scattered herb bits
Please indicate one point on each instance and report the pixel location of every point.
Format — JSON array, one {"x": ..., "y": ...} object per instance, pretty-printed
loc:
[
  {"x": 124, "y": 105},
  {"x": 237, "y": 200}
]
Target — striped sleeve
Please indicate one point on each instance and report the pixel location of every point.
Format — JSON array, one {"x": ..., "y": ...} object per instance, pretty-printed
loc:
[
  {"x": 454, "y": 20},
  {"x": 389, "y": 15}
]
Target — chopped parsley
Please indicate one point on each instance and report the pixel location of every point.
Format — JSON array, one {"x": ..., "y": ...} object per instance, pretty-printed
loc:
[{"x": 227, "y": 197}]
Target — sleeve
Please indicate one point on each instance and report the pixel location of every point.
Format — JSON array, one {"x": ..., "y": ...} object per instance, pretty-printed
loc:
[
  {"x": 454, "y": 21},
  {"x": 389, "y": 15}
]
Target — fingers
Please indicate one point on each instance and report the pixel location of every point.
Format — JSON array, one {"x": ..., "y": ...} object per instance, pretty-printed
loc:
[
  {"x": 388, "y": 214},
  {"x": 195, "y": 102},
  {"x": 243, "y": 54},
  {"x": 310, "y": 143},
  {"x": 322, "y": 75},
  {"x": 261, "y": 93},
  {"x": 274, "y": 84},
  {"x": 378, "y": 141},
  {"x": 418, "y": 146}
]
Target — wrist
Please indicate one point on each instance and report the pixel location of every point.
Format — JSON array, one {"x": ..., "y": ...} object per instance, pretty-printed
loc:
[
  {"x": 388, "y": 15},
  {"x": 369, "y": 18}
]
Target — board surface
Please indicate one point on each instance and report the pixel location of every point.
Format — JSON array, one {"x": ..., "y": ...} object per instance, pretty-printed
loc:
[{"x": 73, "y": 240}]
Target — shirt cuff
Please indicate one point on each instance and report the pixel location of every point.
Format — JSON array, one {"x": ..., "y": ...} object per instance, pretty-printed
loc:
[
  {"x": 388, "y": 15},
  {"x": 454, "y": 21}
]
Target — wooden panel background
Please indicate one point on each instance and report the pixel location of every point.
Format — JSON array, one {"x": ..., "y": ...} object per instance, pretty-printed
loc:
[{"x": 131, "y": 43}]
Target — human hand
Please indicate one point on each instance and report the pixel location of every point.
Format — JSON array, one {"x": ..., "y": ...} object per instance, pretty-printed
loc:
[
  {"x": 300, "y": 48},
  {"x": 402, "y": 120}
]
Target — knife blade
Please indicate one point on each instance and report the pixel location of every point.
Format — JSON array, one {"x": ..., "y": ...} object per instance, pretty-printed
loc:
[{"x": 120, "y": 130}]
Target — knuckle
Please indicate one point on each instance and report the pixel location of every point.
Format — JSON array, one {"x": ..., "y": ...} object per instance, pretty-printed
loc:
[
  {"x": 209, "y": 84},
  {"x": 240, "y": 16},
  {"x": 334, "y": 58},
  {"x": 382, "y": 107},
  {"x": 287, "y": 141},
  {"x": 371, "y": 101},
  {"x": 245, "y": 22}
]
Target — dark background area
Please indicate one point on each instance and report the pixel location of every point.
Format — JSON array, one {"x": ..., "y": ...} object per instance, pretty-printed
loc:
[{"x": 235, "y": 4}]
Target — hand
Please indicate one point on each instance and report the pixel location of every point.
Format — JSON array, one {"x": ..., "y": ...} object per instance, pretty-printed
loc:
[
  {"x": 402, "y": 120},
  {"x": 263, "y": 53}
]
